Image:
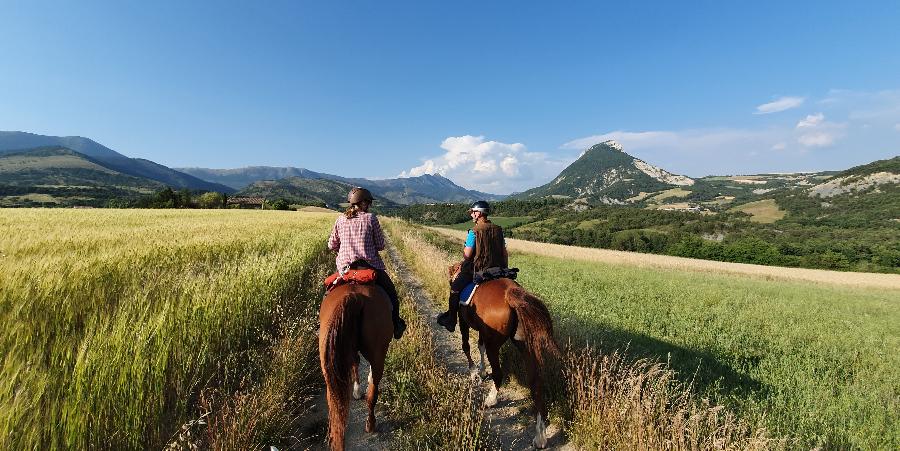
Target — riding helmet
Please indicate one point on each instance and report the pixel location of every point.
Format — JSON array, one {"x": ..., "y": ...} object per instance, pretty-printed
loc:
[
  {"x": 481, "y": 206},
  {"x": 359, "y": 194}
]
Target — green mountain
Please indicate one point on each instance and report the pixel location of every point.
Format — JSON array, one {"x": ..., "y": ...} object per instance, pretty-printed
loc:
[
  {"x": 606, "y": 174},
  {"x": 426, "y": 188},
  {"x": 61, "y": 176},
  {"x": 137, "y": 167}
]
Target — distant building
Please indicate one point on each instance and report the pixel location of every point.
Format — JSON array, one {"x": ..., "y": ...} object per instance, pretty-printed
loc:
[{"x": 247, "y": 202}]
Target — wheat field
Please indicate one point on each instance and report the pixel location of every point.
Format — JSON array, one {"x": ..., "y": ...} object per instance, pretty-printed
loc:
[{"x": 115, "y": 321}]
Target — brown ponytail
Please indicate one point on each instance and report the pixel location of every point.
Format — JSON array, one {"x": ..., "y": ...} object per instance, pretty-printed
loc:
[{"x": 351, "y": 212}]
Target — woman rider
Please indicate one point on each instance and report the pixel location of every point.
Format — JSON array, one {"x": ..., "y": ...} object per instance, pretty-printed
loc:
[
  {"x": 485, "y": 248},
  {"x": 357, "y": 236}
]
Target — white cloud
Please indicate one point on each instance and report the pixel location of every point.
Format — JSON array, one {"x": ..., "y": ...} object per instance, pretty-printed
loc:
[
  {"x": 897, "y": 126},
  {"x": 779, "y": 146},
  {"x": 490, "y": 166},
  {"x": 781, "y": 104},
  {"x": 811, "y": 121},
  {"x": 814, "y": 131}
]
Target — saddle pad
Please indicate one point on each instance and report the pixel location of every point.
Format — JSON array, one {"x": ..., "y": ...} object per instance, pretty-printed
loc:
[
  {"x": 360, "y": 276},
  {"x": 465, "y": 293}
]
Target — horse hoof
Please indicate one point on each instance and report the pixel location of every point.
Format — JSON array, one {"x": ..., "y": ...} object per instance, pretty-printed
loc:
[
  {"x": 491, "y": 399},
  {"x": 539, "y": 444}
]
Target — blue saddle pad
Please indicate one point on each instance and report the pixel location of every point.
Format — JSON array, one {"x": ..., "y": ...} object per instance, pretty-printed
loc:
[{"x": 466, "y": 292}]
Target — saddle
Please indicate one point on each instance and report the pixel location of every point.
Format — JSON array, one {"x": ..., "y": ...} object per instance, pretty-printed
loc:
[
  {"x": 486, "y": 275},
  {"x": 358, "y": 272}
]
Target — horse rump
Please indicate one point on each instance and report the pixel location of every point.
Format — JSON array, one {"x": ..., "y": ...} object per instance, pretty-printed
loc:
[{"x": 534, "y": 319}]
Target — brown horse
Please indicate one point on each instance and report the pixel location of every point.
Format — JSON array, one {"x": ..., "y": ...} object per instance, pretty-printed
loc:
[
  {"x": 355, "y": 319},
  {"x": 500, "y": 310}
]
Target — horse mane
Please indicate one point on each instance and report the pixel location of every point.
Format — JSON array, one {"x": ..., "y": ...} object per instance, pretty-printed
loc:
[
  {"x": 340, "y": 336},
  {"x": 536, "y": 322}
]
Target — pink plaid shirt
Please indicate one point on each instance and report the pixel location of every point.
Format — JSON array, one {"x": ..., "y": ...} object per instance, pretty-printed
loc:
[{"x": 359, "y": 237}]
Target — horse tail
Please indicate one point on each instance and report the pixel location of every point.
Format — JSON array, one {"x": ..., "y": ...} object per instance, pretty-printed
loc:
[
  {"x": 535, "y": 321},
  {"x": 337, "y": 360}
]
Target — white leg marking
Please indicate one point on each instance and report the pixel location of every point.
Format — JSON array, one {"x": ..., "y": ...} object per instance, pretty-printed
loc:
[
  {"x": 520, "y": 332},
  {"x": 370, "y": 375},
  {"x": 357, "y": 390},
  {"x": 491, "y": 399},
  {"x": 540, "y": 436}
]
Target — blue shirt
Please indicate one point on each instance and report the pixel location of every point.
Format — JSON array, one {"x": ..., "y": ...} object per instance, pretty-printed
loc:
[{"x": 470, "y": 238}]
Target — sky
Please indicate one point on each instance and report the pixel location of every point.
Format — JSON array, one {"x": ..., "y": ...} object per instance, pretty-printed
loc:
[{"x": 497, "y": 96}]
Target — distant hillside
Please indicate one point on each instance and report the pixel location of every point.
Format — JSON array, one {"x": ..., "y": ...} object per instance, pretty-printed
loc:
[
  {"x": 15, "y": 141},
  {"x": 303, "y": 191},
  {"x": 606, "y": 174},
  {"x": 61, "y": 176},
  {"x": 242, "y": 177},
  {"x": 409, "y": 190}
]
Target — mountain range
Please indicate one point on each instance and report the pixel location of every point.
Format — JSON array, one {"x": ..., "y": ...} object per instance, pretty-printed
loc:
[
  {"x": 79, "y": 170},
  {"x": 255, "y": 180},
  {"x": 108, "y": 158},
  {"x": 72, "y": 170}
]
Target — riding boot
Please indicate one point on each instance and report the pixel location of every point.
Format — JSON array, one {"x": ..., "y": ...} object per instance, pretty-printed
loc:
[
  {"x": 399, "y": 324},
  {"x": 448, "y": 318}
]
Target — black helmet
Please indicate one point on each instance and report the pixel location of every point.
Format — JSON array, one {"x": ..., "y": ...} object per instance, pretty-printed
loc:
[
  {"x": 481, "y": 206},
  {"x": 358, "y": 195}
]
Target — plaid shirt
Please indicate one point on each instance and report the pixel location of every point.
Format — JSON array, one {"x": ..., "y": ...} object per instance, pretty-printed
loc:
[{"x": 359, "y": 237}]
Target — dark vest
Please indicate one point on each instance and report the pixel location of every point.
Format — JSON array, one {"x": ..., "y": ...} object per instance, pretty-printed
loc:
[{"x": 488, "y": 246}]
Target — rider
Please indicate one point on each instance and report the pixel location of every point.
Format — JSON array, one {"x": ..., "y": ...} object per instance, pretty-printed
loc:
[
  {"x": 484, "y": 248},
  {"x": 356, "y": 236}
]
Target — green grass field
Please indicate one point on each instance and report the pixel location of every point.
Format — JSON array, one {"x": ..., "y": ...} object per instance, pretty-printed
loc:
[
  {"x": 115, "y": 322},
  {"x": 813, "y": 362},
  {"x": 502, "y": 221}
]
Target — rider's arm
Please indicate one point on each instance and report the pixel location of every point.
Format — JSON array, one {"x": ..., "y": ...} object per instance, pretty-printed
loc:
[
  {"x": 334, "y": 241},
  {"x": 469, "y": 250},
  {"x": 377, "y": 234}
]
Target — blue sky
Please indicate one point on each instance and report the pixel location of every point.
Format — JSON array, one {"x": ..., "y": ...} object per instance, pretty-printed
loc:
[{"x": 498, "y": 96}]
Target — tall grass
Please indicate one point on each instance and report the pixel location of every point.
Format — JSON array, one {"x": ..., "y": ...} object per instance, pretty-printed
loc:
[
  {"x": 116, "y": 321},
  {"x": 606, "y": 401}
]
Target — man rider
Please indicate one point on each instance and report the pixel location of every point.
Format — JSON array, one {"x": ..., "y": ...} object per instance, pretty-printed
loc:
[{"x": 484, "y": 248}]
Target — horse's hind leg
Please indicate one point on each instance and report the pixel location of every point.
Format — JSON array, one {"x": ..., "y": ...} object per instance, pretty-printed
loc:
[
  {"x": 537, "y": 395},
  {"x": 376, "y": 370},
  {"x": 354, "y": 375}
]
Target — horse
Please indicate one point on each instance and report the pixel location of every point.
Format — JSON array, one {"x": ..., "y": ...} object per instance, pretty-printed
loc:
[
  {"x": 355, "y": 319},
  {"x": 500, "y": 310}
]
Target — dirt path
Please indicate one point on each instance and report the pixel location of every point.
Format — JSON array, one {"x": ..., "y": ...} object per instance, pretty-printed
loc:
[
  {"x": 856, "y": 279},
  {"x": 511, "y": 423}
]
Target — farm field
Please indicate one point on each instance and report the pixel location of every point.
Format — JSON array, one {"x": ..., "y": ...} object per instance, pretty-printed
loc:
[
  {"x": 117, "y": 324},
  {"x": 807, "y": 359},
  {"x": 502, "y": 221}
]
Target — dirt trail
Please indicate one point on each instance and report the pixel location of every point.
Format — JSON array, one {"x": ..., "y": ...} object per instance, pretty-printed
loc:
[{"x": 511, "y": 423}]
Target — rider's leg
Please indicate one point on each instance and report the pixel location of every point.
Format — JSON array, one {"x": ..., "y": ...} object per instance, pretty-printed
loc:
[
  {"x": 385, "y": 281},
  {"x": 448, "y": 318}
]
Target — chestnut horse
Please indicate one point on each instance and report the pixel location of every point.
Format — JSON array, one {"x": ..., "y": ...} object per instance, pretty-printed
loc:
[
  {"x": 354, "y": 319},
  {"x": 500, "y": 310}
]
